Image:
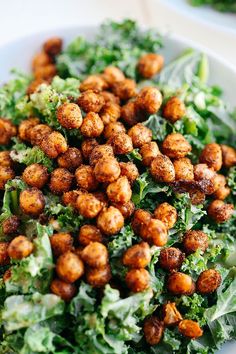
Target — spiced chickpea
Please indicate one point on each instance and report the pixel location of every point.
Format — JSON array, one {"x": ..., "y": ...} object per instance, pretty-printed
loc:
[
  {"x": 124, "y": 89},
  {"x": 150, "y": 64},
  {"x": 228, "y": 156},
  {"x": 176, "y": 146},
  {"x": 190, "y": 329},
  {"x": 149, "y": 100},
  {"x": 110, "y": 221},
  {"x": 137, "y": 280},
  {"x": 35, "y": 175},
  {"x": 121, "y": 144},
  {"x": 95, "y": 255},
  {"x": 208, "y": 281},
  {"x": 120, "y": 190},
  {"x": 87, "y": 147},
  {"x": 137, "y": 256},
  {"x": 53, "y": 46},
  {"x": 155, "y": 232},
  {"x": 4, "y": 257},
  {"x": 113, "y": 74},
  {"x": 212, "y": 156},
  {"x": 35, "y": 133},
  {"x": 162, "y": 169},
  {"x": 220, "y": 211},
  {"x": 203, "y": 172},
  {"x": 32, "y": 201},
  {"x": 10, "y": 225},
  {"x": 140, "y": 220},
  {"x": 93, "y": 82},
  {"x": 69, "y": 267},
  {"x": 85, "y": 178},
  {"x": 46, "y": 72},
  {"x": 25, "y": 128},
  {"x": 129, "y": 170},
  {"x": 129, "y": 114},
  {"x": 69, "y": 198},
  {"x": 5, "y": 159},
  {"x": 153, "y": 330},
  {"x": 113, "y": 128},
  {"x": 171, "y": 316},
  {"x": 7, "y": 131},
  {"x": 20, "y": 247},
  {"x": 62, "y": 289},
  {"x": 6, "y": 173},
  {"x": 98, "y": 277},
  {"x": 222, "y": 193},
  {"x": 92, "y": 125},
  {"x": 91, "y": 101},
  {"x": 71, "y": 159},
  {"x": 61, "y": 242},
  {"x": 89, "y": 233},
  {"x": 197, "y": 197},
  {"x": 183, "y": 169},
  {"x": 195, "y": 240},
  {"x": 102, "y": 197},
  {"x": 174, "y": 109},
  {"x": 69, "y": 116},
  {"x": 88, "y": 205},
  {"x": 61, "y": 181},
  {"x": 148, "y": 152},
  {"x": 110, "y": 112},
  {"x": 126, "y": 209},
  {"x": 140, "y": 135},
  {"x": 167, "y": 214},
  {"x": 100, "y": 152},
  {"x": 171, "y": 258},
  {"x": 54, "y": 144},
  {"x": 41, "y": 59},
  {"x": 110, "y": 97},
  {"x": 180, "y": 284},
  {"x": 107, "y": 170}
]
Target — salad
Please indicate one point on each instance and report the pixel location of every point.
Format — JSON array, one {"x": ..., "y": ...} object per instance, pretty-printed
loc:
[
  {"x": 220, "y": 5},
  {"x": 118, "y": 184}
]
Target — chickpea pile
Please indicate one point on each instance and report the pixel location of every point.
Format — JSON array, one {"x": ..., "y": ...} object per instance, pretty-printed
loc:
[{"x": 95, "y": 178}]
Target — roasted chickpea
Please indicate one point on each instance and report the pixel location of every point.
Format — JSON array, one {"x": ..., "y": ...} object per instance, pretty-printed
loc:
[
  {"x": 112, "y": 129},
  {"x": 69, "y": 198},
  {"x": 61, "y": 243},
  {"x": 53, "y": 46},
  {"x": 137, "y": 280},
  {"x": 46, "y": 72},
  {"x": 195, "y": 240},
  {"x": 148, "y": 152},
  {"x": 228, "y": 156},
  {"x": 100, "y": 152},
  {"x": 222, "y": 193},
  {"x": 20, "y": 247},
  {"x": 7, "y": 131},
  {"x": 25, "y": 128},
  {"x": 149, "y": 100},
  {"x": 41, "y": 59},
  {"x": 69, "y": 267},
  {"x": 183, "y": 169},
  {"x": 102, "y": 197},
  {"x": 69, "y": 116},
  {"x": 5, "y": 159},
  {"x": 87, "y": 147},
  {"x": 35, "y": 175},
  {"x": 91, "y": 101},
  {"x": 155, "y": 232},
  {"x": 162, "y": 169},
  {"x": 120, "y": 190},
  {"x": 6, "y": 173},
  {"x": 92, "y": 125},
  {"x": 98, "y": 277},
  {"x": 129, "y": 170},
  {"x": 220, "y": 211},
  {"x": 121, "y": 144},
  {"x": 126, "y": 209},
  {"x": 174, "y": 109},
  {"x": 197, "y": 197},
  {"x": 110, "y": 112},
  {"x": 88, "y": 205},
  {"x": 140, "y": 135},
  {"x": 137, "y": 256},
  {"x": 203, "y": 172},
  {"x": 95, "y": 254},
  {"x": 176, "y": 146},
  {"x": 110, "y": 97},
  {"x": 140, "y": 220},
  {"x": 110, "y": 221},
  {"x": 32, "y": 201},
  {"x": 107, "y": 170},
  {"x": 153, "y": 330},
  {"x": 167, "y": 214},
  {"x": 85, "y": 178},
  {"x": 171, "y": 258},
  {"x": 129, "y": 114},
  {"x": 212, "y": 156},
  {"x": 171, "y": 316},
  {"x": 61, "y": 181},
  {"x": 71, "y": 159},
  {"x": 89, "y": 233},
  {"x": 190, "y": 329},
  {"x": 10, "y": 225},
  {"x": 62, "y": 289},
  {"x": 180, "y": 284},
  {"x": 35, "y": 132},
  {"x": 113, "y": 74},
  {"x": 124, "y": 89},
  {"x": 93, "y": 82},
  {"x": 54, "y": 144},
  {"x": 150, "y": 64},
  {"x": 4, "y": 257},
  {"x": 208, "y": 281},
  {"x": 34, "y": 85}
]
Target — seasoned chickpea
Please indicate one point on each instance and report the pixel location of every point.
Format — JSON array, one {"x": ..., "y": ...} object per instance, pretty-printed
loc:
[
  {"x": 155, "y": 232},
  {"x": 110, "y": 221},
  {"x": 53, "y": 46},
  {"x": 183, "y": 169},
  {"x": 87, "y": 147},
  {"x": 10, "y": 225},
  {"x": 129, "y": 114},
  {"x": 190, "y": 329},
  {"x": 110, "y": 97},
  {"x": 140, "y": 135},
  {"x": 148, "y": 152},
  {"x": 222, "y": 193},
  {"x": 176, "y": 146},
  {"x": 32, "y": 201},
  {"x": 149, "y": 100},
  {"x": 171, "y": 316},
  {"x": 25, "y": 128},
  {"x": 71, "y": 159},
  {"x": 35, "y": 132},
  {"x": 69, "y": 267},
  {"x": 197, "y": 197},
  {"x": 100, "y": 152},
  {"x": 89, "y": 233},
  {"x": 137, "y": 280},
  {"x": 46, "y": 72},
  {"x": 208, "y": 281},
  {"x": 126, "y": 209},
  {"x": 69, "y": 116},
  {"x": 153, "y": 330},
  {"x": 41, "y": 59},
  {"x": 121, "y": 144},
  {"x": 120, "y": 190},
  {"x": 61, "y": 243},
  {"x": 95, "y": 254},
  {"x": 220, "y": 211},
  {"x": 174, "y": 109},
  {"x": 203, "y": 172},
  {"x": 102, "y": 197},
  {"x": 91, "y": 101},
  {"x": 180, "y": 284},
  {"x": 93, "y": 82},
  {"x": 150, "y": 64},
  {"x": 124, "y": 89},
  {"x": 112, "y": 129},
  {"x": 98, "y": 277},
  {"x": 113, "y": 74},
  {"x": 162, "y": 169},
  {"x": 129, "y": 170},
  {"x": 4, "y": 257},
  {"x": 20, "y": 247},
  {"x": 7, "y": 131},
  {"x": 140, "y": 220},
  {"x": 5, "y": 159},
  {"x": 228, "y": 156},
  {"x": 61, "y": 181},
  {"x": 195, "y": 240},
  {"x": 167, "y": 214},
  {"x": 88, "y": 205},
  {"x": 92, "y": 125},
  {"x": 6, "y": 173},
  {"x": 212, "y": 156},
  {"x": 137, "y": 256},
  {"x": 62, "y": 289},
  {"x": 34, "y": 85},
  {"x": 35, "y": 175},
  {"x": 107, "y": 170},
  {"x": 110, "y": 112},
  {"x": 69, "y": 198},
  {"x": 85, "y": 178},
  {"x": 54, "y": 144},
  {"x": 171, "y": 258}
]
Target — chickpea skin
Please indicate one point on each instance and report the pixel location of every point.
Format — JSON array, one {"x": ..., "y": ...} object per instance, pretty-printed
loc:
[
  {"x": 61, "y": 181},
  {"x": 6, "y": 173},
  {"x": 124, "y": 89},
  {"x": 149, "y": 100},
  {"x": 54, "y": 144},
  {"x": 180, "y": 284},
  {"x": 110, "y": 221},
  {"x": 61, "y": 242},
  {"x": 87, "y": 147},
  {"x": 20, "y": 247},
  {"x": 112, "y": 129},
  {"x": 167, "y": 214},
  {"x": 98, "y": 277},
  {"x": 32, "y": 201},
  {"x": 95, "y": 255},
  {"x": 10, "y": 225},
  {"x": 162, "y": 169},
  {"x": 129, "y": 169},
  {"x": 85, "y": 178},
  {"x": 5, "y": 159},
  {"x": 137, "y": 280},
  {"x": 153, "y": 330},
  {"x": 148, "y": 152},
  {"x": 174, "y": 109},
  {"x": 25, "y": 128},
  {"x": 228, "y": 156},
  {"x": 91, "y": 101},
  {"x": 140, "y": 220},
  {"x": 100, "y": 152},
  {"x": 121, "y": 144},
  {"x": 4, "y": 257},
  {"x": 53, "y": 46},
  {"x": 69, "y": 116},
  {"x": 110, "y": 113},
  {"x": 220, "y": 211},
  {"x": 190, "y": 329},
  {"x": 93, "y": 82},
  {"x": 36, "y": 133},
  {"x": 195, "y": 240},
  {"x": 171, "y": 258},
  {"x": 140, "y": 135},
  {"x": 183, "y": 169},
  {"x": 113, "y": 74},
  {"x": 129, "y": 113},
  {"x": 137, "y": 256},
  {"x": 92, "y": 125},
  {"x": 176, "y": 146},
  {"x": 35, "y": 175},
  {"x": 62, "y": 289},
  {"x": 69, "y": 267},
  {"x": 89, "y": 233},
  {"x": 71, "y": 159},
  {"x": 88, "y": 205},
  {"x": 212, "y": 156},
  {"x": 208, "y": 281},
  {"x": 7, "y": 131},
  {"x": 171, "y": 316},
  {"x": 126, "y": 209},
  {"x": 150, "y": 64},
  {"x": 120, "y": 190},
  {"x": 107, "y": 170},
  {"x": 155, "y": 232}
]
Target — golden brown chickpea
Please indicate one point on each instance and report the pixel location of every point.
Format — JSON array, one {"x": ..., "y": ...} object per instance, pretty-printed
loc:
[
  {"x": 35, "y": 132},
  {"x": 7, "y": 131},
  {"x": 53, "y": 46},
  {"x": 95, "y": 255},
  {"x": 6, "y": 173},
  {"x": 112, "y": 129},
  {"x": 91, "y": 101},
  {"x": 120, "y": 190},
  {"x": 212, "y": 156},
  {"x": 25, "y": 128},
  {"x": 153, "y": 330},
  {"x": 222, "y": 193},
  {"x": 171, "y": 316},
  {"x": 87, "y": 147},
  {"x": 109, "y": 97},
  {"x": 62, "y": 289},
  {"x": 98, "y": 277},
  {"x": 137, "y": 256},
  {"x": 149, "y": 100},
  {"x": 69, "y": 116},
  {"x": 208, "y": 281},
  {"x": 195, "y": 240},
  {"x": 219, "y": 181},
  {"x": 126, "y": 209},
  {"x": 137, "y": 280},
  {"x": 35, "y": 175},
  {"x": 85, "y": 178},
  {"x": 92, "y": 125},
  {"x": 129, "y": 170},
  {"x": 4, "y": 257},
  {"x": 34, "y": 85},
  {"x": 5, "y": 159},
  {"x": 220, "y": 211},
  {"x": 124, "y": 89},
  {"x": 102, "y": 197},
  {"x": 61, "y": 181},
  {"x": 129, "y": 114},
  {"x": 167, "y": 214},
  {"x": 41, "y": 59},
  {"x": 69, "y": 198},
  {"x": 183, "y": 169},
  {"x": 121, "y": 144},
  {"x": 71, "y": 159},
  {"x": 89, "y": 233},
  {"x": 176, "y": 146},
  {"x": 197, "y": 197},
  {"x": 149, "y": 151},
  {"x": 54, "y": 144},
  {"x": 110, "y": 112},
  {"x": 61, "y": 243},
  {"x": 69, "y": 267},
  {"x": 107, "y": 170},
  {"x": 110, "y": 221},
  {"x": 113, "y": 74},
  {"x": 140, "y": 220},
  {"x": 32, "y": 201},
  {"x": 10, "y": 225},
  {"x": 88, "y": 205},
  {"x": 171, "y": 258},
  {"x": 155, "y": 232},
  {"x": 180, "y": 284},
  {"x": 100, "y": 152},
  {"x": 228, "y": 156},
  {"x": 203, "y": 172},
  {"x": 174, "y": 109},
  {"x": 190, "y": 329},
  {"x": 150, "y": 64},
  {"x": 46, "y": 72},
  {"x": 20, "y": 247},
  {"x": 162, "y": 169},
  {"x": 93, "y": 82},
  {"x": 140, "y": 135}
]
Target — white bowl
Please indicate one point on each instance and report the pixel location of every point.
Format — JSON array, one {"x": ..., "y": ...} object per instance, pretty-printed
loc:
[{"x": 18, "y": 54}]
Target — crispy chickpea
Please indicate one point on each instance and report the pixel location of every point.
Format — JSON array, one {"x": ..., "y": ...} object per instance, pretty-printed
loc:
[
  {"x": 228, "y": 156},
  {"x": 69, "y": 267},
  {"x": 197, "y": 197},
  {"x": 203, "y": 172},
  {"x": 88, "y": 205},
  {"x": 89, "y": 233},
  {"x": 92, "y": 125},
  {"x": 124, "y": 89},
  {"x": 100, "y": 152},
  {"x": 95, "y": 255},
  {"x": 4, "y": 257},
  {"x": 107, "y": 170},
  {"x": 190, "y": 329},
  {"x": 150, "y": 64},
  {"x": 6, "y": 173},
  {"x": 120, "y": 190},
  {"x": 174, "y": 109},
  {"x": 7, "y": 131},
  {"x": 34, "y": 85},
  {"x": 222, "y": 193},
  {"x": 155, "y": 232},
  {"x": 176, "y": 146},
  {"x": 35, "y": 175},
  {"x": 167, "y": 214},
  {"x": 20, "y": 247},
  {"x": 69, "y": 116},
  {"x": 121, "y": 144},
  {"x": 183, "y": 169},
  {"x": 110, "y": 112},
  {"x": 61, "y": 243},
  {"x": 54, "y": 144},
  {"x": 98, "y": 277},
  {"x": 10, "y": 225},
  {"x": 171, "y": 316},
  {"x": 129, "y": 114},
  {"x": 148, "y": 152},
  {"x": 220, "y": 211},
  {"x": 112, "y": 129},
  {"x": 85, "y": 178},
  {"x": 46, "y": 72},
  {"x": 25, "y": 128},
  {"x": 62, "y": 289},
  {"x": 110, "y": 221},
  {"x": 35, "y": 132},
  {"x": 195, "y": 240},
  {"x": 137, "y": 256},
  {"x": 5, "y": 159},
  {"x": 171, "y": 258},
  {"x": 53, "y": 46},
  {"x": 110, "y": 97},
  {"x": 126, "y": 209},
  {"x": 153, "y": 330},
  {"x": 71, "y": 159},
  {"x": 87, "y": 147},
  {"x": 91, "y": 101},
  {"x": 140, "y": 220},
  {"x": 113, "y": 74},
  {"x": 180, "y": 284},
  {"x": 212, "y": 156},
  {"x": 149, "y": 100},
  {"x": 140, "y": 135},
  {"x": 102, "y": 197},
  {"x": 162, "y": 169},
  {"x": 61, "y": 181},
  {"x": 41, "y": 59},
  {"x": 208, "y": 281},
  {"x": 129, "y": 169},
  {"x": 69, "y": 198},
  {"x": 32, "y": 201},
  {"x": 137, "y": 280},
  {"x": 93, "y": 82}
]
